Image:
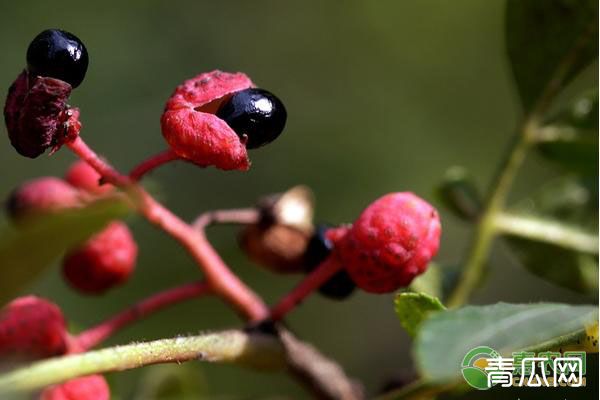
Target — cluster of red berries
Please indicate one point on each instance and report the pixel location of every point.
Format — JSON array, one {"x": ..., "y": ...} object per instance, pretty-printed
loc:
[
  {"x": 106, "y": 259},
  {"x": 34, "y": 328},
  {"x": 210, "y": 120}
]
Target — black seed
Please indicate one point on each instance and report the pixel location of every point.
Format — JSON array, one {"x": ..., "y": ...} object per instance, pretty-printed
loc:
[
  {"x": 318, "y": 249},
  {"x": 339, "y": 286},
  {"x": 255, "y": 113},
  {"x": 58, "y": 54}
]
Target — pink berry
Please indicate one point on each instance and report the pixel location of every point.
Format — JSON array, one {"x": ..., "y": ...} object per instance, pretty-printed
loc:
[
  {"x": 391, "y": 242},
  {"x": 82, "y": 176},
  {"x": 32, "y": 328},
  {"x": 107, "y": 259},
  {"x": 92, "y": 387},
  {"x": 41, "y": 196},
  {"x": 194, "y": 132}
]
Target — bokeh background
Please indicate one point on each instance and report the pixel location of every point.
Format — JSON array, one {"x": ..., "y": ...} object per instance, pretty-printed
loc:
[{"x": 382, "y": 96}]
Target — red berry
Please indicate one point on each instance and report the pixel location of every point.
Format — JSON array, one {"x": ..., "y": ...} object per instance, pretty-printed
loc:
[
  {"x": 82, "y": 176},
  {"x": 31, "y": 328},
  {"x": 107, "y": 259},
  {"x": 92, "y": 387},
  {"x": 392, "y": 242},
  {"x": 194, "y": 132},
  {"x": 41, "y": 196}
]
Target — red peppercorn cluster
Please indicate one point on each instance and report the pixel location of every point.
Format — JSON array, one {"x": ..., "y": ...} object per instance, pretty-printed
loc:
[
  {"x": 33, "y": 328},
  {"x": 105, "y": 260},
  {"x": 212, "y": 119}
]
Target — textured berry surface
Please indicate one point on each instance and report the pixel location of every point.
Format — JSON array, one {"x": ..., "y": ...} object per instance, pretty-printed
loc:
[
  {"x": 205, "y": 91},
  {"x": 192, "y": 130},
  {"x": 58, "y": 54},
  {"x": 391, "y": 242},
  {"x": 82, "y": 176},
  {"x": 35, "y": 113},
  {"x": 31, "y": 328},
  {"x": 320, "y": 246},
  {"x": 256, "y": 114},
  {"x": 107, "y": 259},
  {"x": 92, "y": 387},
  {"x": 41, "y": 196}
]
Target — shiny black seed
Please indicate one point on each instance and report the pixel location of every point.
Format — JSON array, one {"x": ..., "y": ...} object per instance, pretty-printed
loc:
[
  {"x": 340, "y": 285},
  {"x": 256, "y": 113},
  {"x": 58, "y": 54}
]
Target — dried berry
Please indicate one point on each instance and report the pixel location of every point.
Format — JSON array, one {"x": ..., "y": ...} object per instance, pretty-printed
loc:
[
  {"x": 256, "y": 115},
  {"x": 40, "y": 197},
  {"x": 36, "y": 114},
  {"x": 92, "y": 387},
  {"x": 391, "y": 242},
  {"x": 58, "y": 54},
  {"x": 107, "y": 259},
  {"x": 82, "y": 176},
  {"x": 294, "y": 207},
  {"x": 193, "y": 131},
  {"x": 277, "y": 247},
  {"x": 32, "y": 328},
  {"x": 278, "y": 240},
  {"x": 320, "y": 246}
]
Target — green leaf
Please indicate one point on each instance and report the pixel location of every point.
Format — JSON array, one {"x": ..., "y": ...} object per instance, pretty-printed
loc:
[
  {"x": 413, "y": 308},
  {"x": 25, "y": 251},
  {"x": 569, "y": 269},
  {"x": 572, "y": 201},
  {"x": 541, "y": 33},
  {"x": 571, "y": 139},
  {"x": 445, "y": 338}
]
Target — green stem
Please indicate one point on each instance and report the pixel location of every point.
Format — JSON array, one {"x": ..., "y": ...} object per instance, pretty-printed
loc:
[
  {"x": 258, "y": 351},
  {"x": 485, "y": 232},
  {"x": 559, "y": 342},
  {"x": 542, "y": 230}
]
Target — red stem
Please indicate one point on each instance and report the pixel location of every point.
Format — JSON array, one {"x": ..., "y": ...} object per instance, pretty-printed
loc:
[
  {"x": 97, "y": 334},
  {"x": 222, "y": 281},
  {"x": 310, "y": 283},
  {"x": 151, "y": 163},
  {"x": 107, "y": 171}
]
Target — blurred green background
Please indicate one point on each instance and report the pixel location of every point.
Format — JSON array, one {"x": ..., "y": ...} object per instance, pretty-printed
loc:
[{"x": 381, "y": 95}]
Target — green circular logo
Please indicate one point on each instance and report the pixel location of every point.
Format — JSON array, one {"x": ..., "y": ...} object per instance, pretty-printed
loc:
[{"x": 473, "y": 366}]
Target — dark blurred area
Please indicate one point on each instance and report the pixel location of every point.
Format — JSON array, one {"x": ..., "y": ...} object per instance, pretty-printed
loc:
[{"x": 381, "y": 96}]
